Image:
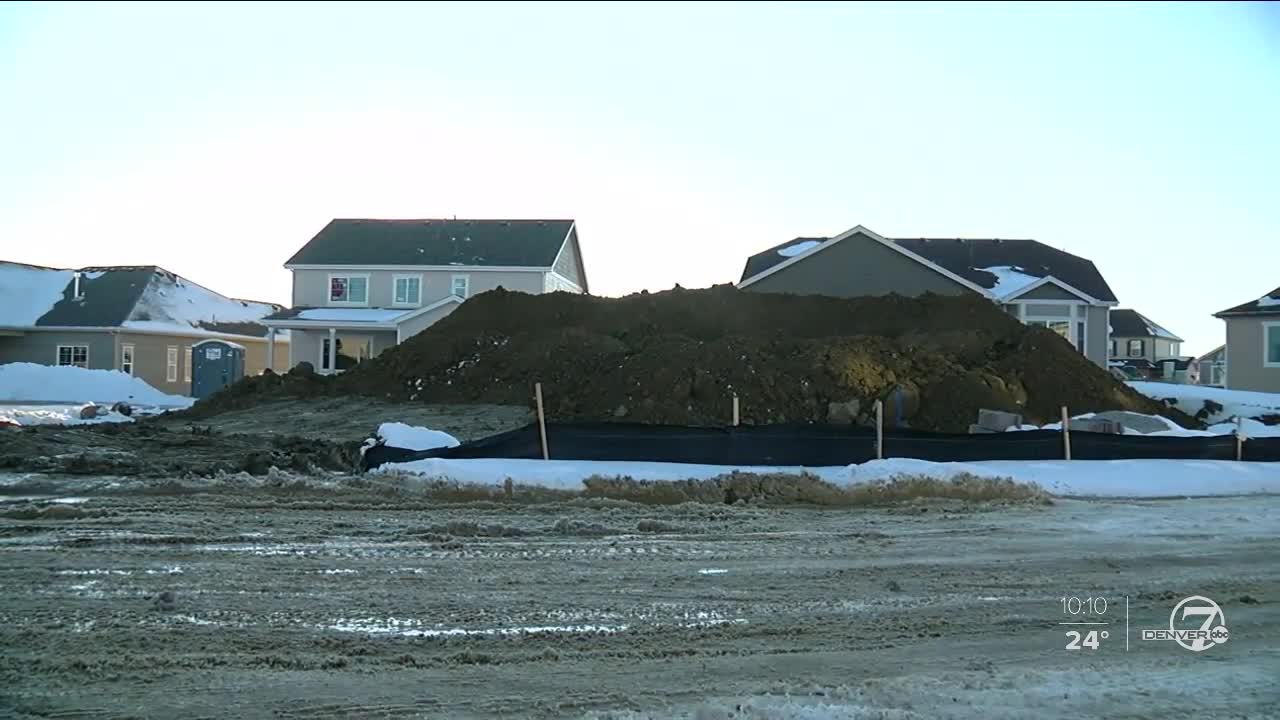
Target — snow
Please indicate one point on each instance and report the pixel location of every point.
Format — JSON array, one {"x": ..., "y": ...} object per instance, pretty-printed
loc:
[
  {"x": 28, "y": 292},
  {"x": 799, "y": 248},
  {"x": 170, "y": 301},
  {"x": 409, "y": 437},
  {"x": 1009, "y": 279},
  {"x": 1190, "y": 399},
  {"x": 28, "y": 415},
  {"x": 32, "y": 383},
  {"x": 1268, "y": 301},
  {"x": 226, "y": 342},
  {"x": 1079, "y": 478},
  {"x": 1156, "y": 330},
  {"x": 373, "y": 315}
]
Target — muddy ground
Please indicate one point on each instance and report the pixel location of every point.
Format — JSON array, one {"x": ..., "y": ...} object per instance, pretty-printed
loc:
[{"x": 332, "y": 597}]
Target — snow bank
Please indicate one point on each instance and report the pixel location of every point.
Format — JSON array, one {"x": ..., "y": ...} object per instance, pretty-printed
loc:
[
  {"x": 30, "y": 383},
  {"x": 1081, "y": 478},
  {"x": 409, "y": 437},
  {"x": 28, "y": 292},
  {"x": 1190, "y": 399}
]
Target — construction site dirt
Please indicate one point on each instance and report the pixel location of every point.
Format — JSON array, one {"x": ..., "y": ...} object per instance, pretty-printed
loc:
[{"x": 326, "y": 595}]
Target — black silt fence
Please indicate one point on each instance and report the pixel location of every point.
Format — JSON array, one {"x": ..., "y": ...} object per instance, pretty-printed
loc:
[{"x": 817, "y": 446}]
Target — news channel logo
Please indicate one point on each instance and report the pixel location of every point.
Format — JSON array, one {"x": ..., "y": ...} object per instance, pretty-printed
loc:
[{"x": 1196, "y": 623}]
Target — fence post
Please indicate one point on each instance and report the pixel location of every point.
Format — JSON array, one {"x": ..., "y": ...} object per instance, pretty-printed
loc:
[
  {"x": 542, "y": 421},
  {"x": 879, "y": 430},
  {"x": 1239, "y": 439},
  {"x": 1066, "y": 432},
  {"x": 735, "y": 409}
]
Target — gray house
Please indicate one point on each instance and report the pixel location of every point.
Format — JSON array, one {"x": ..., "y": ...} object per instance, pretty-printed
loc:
[
  {"x": 142, "y": 320},
  {"x": 1151, "y": 351},
  {"x": 1038, "y": 284},
  {"x": 1253, "y": 344},
  {"x": 362, "y": 286}
]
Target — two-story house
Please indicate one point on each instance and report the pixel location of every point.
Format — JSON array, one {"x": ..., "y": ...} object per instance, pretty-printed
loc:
[
  {"x": 362, "y": 286},
  {"x": 1147, "y": 349}
]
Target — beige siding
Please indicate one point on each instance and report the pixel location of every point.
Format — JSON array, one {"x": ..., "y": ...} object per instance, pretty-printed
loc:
[
  {"x": 412, "y": 327},
  {"x": 1048, "y": 291},
  {"x": 311, "y": 287},
  {"x": 1122, "y": 347},
  {"x": 150, "y": 358},
  {"x": 567, "y": 264},
  {"x": 1245, "y": 368},
  {"x": 854, "y": 267},
  {"x": 41, "y": 347}
]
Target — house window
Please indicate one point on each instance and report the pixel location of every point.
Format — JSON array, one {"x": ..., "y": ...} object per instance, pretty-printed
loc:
[
  {"x": 408, "y": 290},
  {"x": 1113, "y": 349},
  {"x": 1271, "y": 344},
  {"x": 1137, "y": 348},
  {"x": 349, "y": 289},
  {"x": 74, "y": 355},
  {"x": 171, "y": 364},
  {"x": 461, "y": 285},
  {"x": 1080, "y": 336},
  {"x": 186, "y": 365},
  {"x": 126, "y": 359}
]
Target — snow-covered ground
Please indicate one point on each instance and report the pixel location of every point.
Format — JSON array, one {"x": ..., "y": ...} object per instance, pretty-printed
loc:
[
  {"x": 1077, "y": 478},
  {"x": 1248, "y": 427},
  {"x": 29, "y": 383},
  {"x": 1190, "y": 399},
  {"x": 27, "y": 415}
]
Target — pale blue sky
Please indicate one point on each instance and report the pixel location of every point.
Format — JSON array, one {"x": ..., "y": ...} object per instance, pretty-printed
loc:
[{"x": 215, "y": 139}]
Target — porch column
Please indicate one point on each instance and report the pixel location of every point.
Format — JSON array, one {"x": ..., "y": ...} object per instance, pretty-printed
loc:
[
  {"x": 271, "y": 349},
  {"x": 333, "y": 351}
]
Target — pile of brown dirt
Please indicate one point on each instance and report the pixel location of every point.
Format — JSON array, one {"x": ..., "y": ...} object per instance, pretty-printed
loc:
[{"x": 678, "y": 357}]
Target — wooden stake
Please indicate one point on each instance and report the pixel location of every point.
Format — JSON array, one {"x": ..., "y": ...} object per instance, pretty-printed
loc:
[
  {"x": 735, "y": 409},
  {"x": 879, "y": 430},
  {"x": 1066, "y": 432},
  {"x": 1239, "y": 439},
  {"x": 542, "y": 421}
]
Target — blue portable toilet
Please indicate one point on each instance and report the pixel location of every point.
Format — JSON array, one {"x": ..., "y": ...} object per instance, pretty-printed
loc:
[{"x": 215, "y": 364}]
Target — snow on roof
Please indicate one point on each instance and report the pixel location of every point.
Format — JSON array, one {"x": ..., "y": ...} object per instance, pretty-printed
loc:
[
  {"x": 1009, "y": 279},
  {"x": 1158, "y": 331},
  {"x": 1268, "y": 301},
  {"x": 798, "y": 248},
  {"x": 371, "y": 315},
  {"x": 29, "y": 291},
  {"x": 174, "y": 300},
  {"x": 228, "y": 343}
]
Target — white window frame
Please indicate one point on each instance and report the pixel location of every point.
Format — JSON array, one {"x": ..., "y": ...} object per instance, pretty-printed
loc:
[
  {"x": 188, "y": 357},
  {"x": 1267, "y": 328},
  {"x": 1073, "y": 312},
  {"x": 1114, "y": 347},
  {"x": 57, "y": 357},
  {"x": 466, "y": 286},
  {"x": 130, "y": 351},
  {"x": 395, "y": 282},
  {"x": 328, "y": 290},
  {"x": 1142, "y": 347},
  {"x": 171, "y": 364}
]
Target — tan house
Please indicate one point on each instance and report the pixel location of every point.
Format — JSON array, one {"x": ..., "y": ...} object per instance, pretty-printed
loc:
[
  {"x": 1253, "y": 344},
  {"x": 1036, "y": 283},
  {"x": 142, "y": 320},
  {"x": 362, "y": 286}
]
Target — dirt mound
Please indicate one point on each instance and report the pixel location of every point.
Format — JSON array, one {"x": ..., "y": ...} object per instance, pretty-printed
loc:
[{"x": 679, "y": 356}]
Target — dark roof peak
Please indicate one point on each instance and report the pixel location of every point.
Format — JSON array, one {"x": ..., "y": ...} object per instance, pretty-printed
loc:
[{"x": 528, "y": 243}]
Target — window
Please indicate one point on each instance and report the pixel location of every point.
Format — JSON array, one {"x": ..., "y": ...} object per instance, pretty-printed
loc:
[
  {"x": 1271, "y": 344},
  {"x": 461, "y": 285},
  {"x": 75, "y": 355},
  {"x": 1113, "y": 349},
  {"x": 171, "y": 364},
  {"x": 408, "y": 290},
  {"x": 186, "y": 364},
  {"x": 1080, "y": 336},
  {"x": 349, "y": 289},
  {"x": 126, "y": 359},
  {"x": 1137, "y": 348}
]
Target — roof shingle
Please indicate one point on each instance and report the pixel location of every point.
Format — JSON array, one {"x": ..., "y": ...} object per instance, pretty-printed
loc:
[{"x": 493, "y": 243}]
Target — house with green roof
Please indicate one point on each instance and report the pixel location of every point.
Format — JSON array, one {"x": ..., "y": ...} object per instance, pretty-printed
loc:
[
  {"x": 142, "y": 320},
  {"x": 361, "y": 286}
]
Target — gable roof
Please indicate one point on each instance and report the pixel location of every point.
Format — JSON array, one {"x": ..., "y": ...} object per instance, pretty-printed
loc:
[
  {"x": 1268, "y": 304},
  {"x": 484, "y": 243},
  {"x": 1131, "y": 323},
  {"x": 143, "y": 297},
  {"x": 990, "y": 266}
]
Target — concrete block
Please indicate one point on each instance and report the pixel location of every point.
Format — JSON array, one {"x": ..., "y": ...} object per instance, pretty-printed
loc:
[
  {"x": 1097, "y": 425},
  {"x": 997, "y": 420},
  {"x": 979, "y": 430}
]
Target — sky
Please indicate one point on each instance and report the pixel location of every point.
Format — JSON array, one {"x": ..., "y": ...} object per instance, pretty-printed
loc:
[{"x": 215, "y": 140}]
